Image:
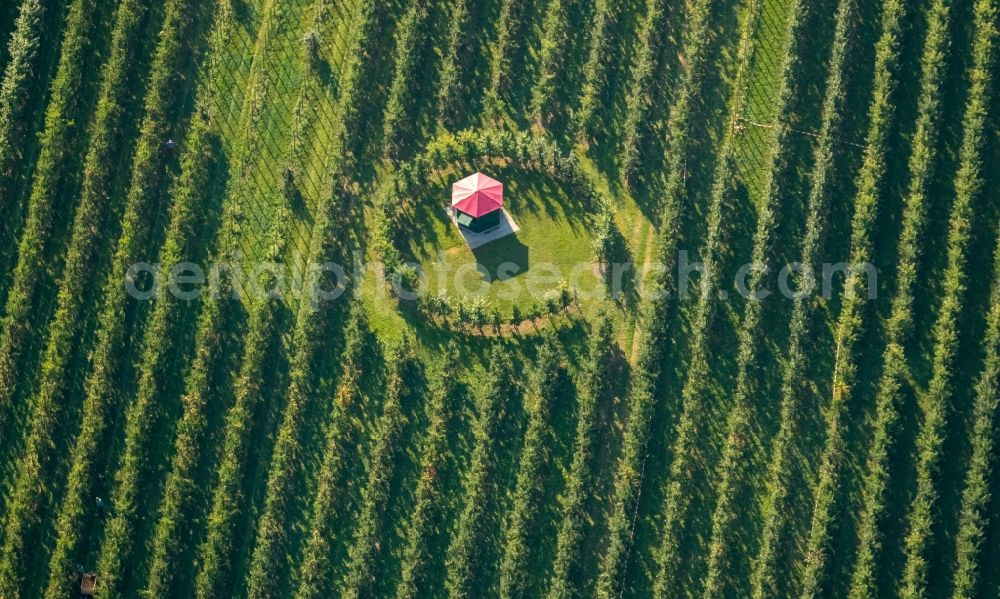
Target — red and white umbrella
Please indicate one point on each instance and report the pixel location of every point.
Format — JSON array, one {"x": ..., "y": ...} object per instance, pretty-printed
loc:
[{"x": 477, "y": 195}]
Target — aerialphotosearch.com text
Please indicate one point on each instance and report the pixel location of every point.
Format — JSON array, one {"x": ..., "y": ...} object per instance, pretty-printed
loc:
[{"x": 328, "y": 281}]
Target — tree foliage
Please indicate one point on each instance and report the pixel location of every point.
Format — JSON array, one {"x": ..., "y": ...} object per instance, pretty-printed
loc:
[
  {"x": 464, "y": 558},
  {"x": 522, "y": 524},
  {"x": 426, "y": 516},
  {"x": 865, "y": 579},
  {"x": 577, "y": 499},
  {"x": 655, "y": 314},
  {"x": 851, "y": 320},
  {"x": 767, "y": 579}
]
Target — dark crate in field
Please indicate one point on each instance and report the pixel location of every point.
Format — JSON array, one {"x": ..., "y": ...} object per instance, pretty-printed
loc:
[{"x": 88, "y": 583}]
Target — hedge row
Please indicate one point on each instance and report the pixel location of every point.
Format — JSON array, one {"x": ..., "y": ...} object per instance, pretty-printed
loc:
[
  {"x": 269, "y": 564},
  {"x": 398, "y": 123},
  {"x": 551, "y": 62},
  {"x": 852, "y": 313},
  {"x": 465, "y": 555},
  {"x": 732, "y": 467},
  {"x": 55, "y": 177},
  {"x": 682, "y": 467},
  {"x": 353, "y": 84},
  {"x": 974, "y": 517},
  {"x": 767, "y": 578},
  {"x": 595, "y": 71},
  {"x": 8, "y": 22},
  {"x": 426, "y": 516},
  {"x": 968, "y": 188},
  {"x": 172, "y": 538},
  {"x": 21, "y": 92},
  {"x": 655, "y": 331},
  {"x": 464, "y": 314},
  {"x": 171, "y": 63},
  {"x": 573, "y": 523},
  {"x": 370, "y": 530},
  {"x": 317, "y": 564},
  {"x": 172, "y": 535},
  {"x": 522, "y": 523},
  {"x": 865, "y": 579},
  {"x": 215, "y": 552},
  {"x": 509, "y": 25},
  {"x": 96, "y": 208},
  {"x": 451, "y": 88},
  {"x": 187, "y": 239},
  {"x": 932, "y": 432},
  {"x": 639, "y": 101}
]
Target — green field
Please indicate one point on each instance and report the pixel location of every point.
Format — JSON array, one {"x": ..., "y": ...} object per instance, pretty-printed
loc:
[{"x": 594, "y": 406}]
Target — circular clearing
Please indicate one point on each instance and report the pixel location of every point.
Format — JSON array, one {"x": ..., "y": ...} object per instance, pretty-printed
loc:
[{"x": 550, "y": 261}]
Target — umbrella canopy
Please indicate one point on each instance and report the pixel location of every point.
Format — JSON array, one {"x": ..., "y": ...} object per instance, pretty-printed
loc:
[{"x": 477, "y": 195}]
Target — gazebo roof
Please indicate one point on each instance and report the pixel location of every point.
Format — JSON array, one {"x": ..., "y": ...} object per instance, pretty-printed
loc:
[{"x": 477, "y": 195}]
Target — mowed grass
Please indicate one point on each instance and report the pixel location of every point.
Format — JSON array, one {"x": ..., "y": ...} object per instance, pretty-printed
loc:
[{"x": 550, "y": 250}]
